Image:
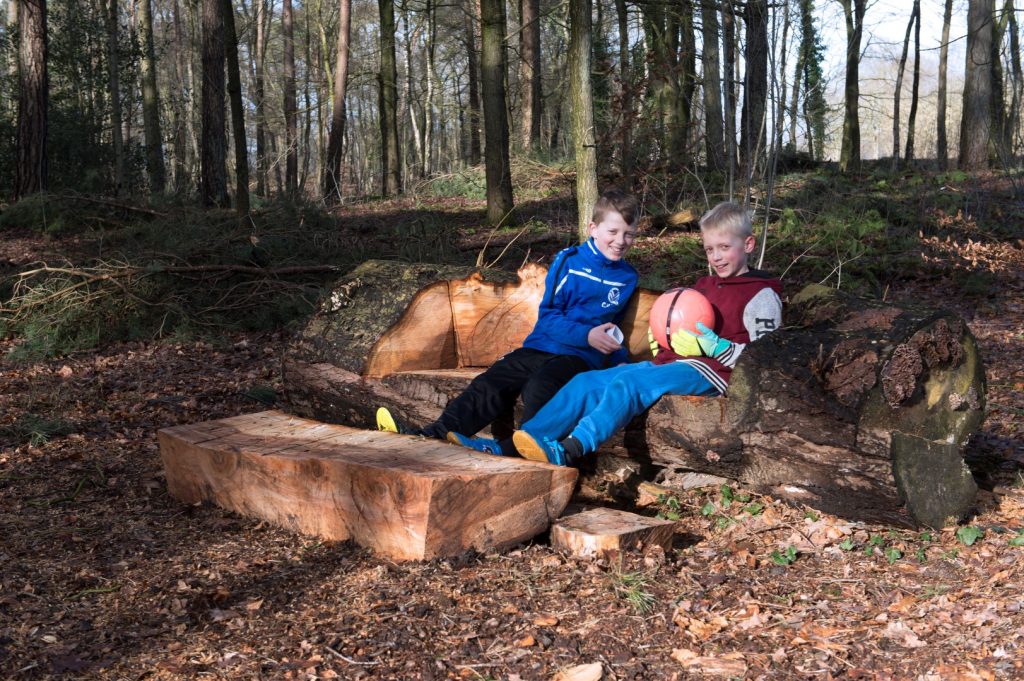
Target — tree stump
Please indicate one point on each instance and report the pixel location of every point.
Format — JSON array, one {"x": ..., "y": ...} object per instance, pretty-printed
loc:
[
  {"x": 859, "y": 408},
  {"x": 604, "y": 530}
]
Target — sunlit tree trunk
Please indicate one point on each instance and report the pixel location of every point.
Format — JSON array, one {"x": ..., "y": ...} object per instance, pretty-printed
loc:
[
  {"x": 1013, "y": 119},
  {"x": 33, "y": 99},
  {"x": 114, "y": 84},
  {"x": 714, "y": 141},
  {"x": 151, "y": 101},
  {"x": 582, "y": 112},
  {"x": 237, "y": 115},
  {"x": 332, "y": 173},
  {"x": 687, "y": 70},
  {"x": 213, "y": 184},
  {"x": 498, "y": 169},
  {"x": 915, "y": 85},
  {"x": 387, "y": 81},
  {"x": 976, "y": 120},
  {"x": 941, "y": 144},
  {"x": 849, "y": 157},
  {"x": 780, "y": 105}
]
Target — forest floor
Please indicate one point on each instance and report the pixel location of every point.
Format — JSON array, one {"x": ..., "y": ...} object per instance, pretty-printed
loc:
[{"x": 104, "y": 576}]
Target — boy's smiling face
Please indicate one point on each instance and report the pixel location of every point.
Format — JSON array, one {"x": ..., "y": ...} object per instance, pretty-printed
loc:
[
  {"x": 613, "y": 236},
  {"x": 726, "y": 252}
]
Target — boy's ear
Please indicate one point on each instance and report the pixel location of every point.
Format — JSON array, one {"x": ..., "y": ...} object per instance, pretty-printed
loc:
[
  {"x": 749, "y": 243},
  {"x": 591, "y": 227}
]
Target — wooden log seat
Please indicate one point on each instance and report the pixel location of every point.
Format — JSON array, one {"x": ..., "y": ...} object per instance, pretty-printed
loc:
[
  {"x": 405, "y": 497},
  {"x": 856, "y": 407}
]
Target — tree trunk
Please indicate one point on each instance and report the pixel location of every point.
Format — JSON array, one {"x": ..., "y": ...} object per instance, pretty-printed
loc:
[
  {"x": 530, "y": 73},
  {"x": 332, "y": 173},
  {"x": 625, "y": 94},
  {"x": 387, "y": 81},
  {"x": 755, "y": 90},
  {"x": 582, "y": 107},
  {"x": 713, "y": 136},
  {"x": 898, "y": 90},
  {"x": 849, "y": 157},
  {"x": 798, "y": 78},
  {"x": 259, "y": 97},
  {"x": 941, "y": 145},
  {"x": 33, "y": 99},
  {"x": 113, "y": 82},
  {"x": 151, "y": 102},
  {"x": 237, "y": 115},
  {"x": 1000, "y": 134},
  {"x": 976, "y": 120},
  {"x": 291, "y": 126},
  {"x": 472, "y": 73},
  {"x": 213, "y": 188},
  {"x": 498, "y": 169},
  {"x": 687, "y": 73},
  {"x": 729, "y": 87},
  {"x": 1017, "y": 90},
  {"x": 915, "y": 85}
]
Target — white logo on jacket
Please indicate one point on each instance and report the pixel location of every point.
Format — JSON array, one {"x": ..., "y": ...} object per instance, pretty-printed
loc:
[{"x": 613, "y": 298}]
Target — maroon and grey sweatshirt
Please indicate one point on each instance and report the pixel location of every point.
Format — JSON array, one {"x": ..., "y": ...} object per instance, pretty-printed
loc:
[{"x": 747, "y": 307}]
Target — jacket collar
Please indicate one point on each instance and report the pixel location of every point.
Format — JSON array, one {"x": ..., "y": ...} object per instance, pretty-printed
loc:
[{"x": 590, "y": 248}]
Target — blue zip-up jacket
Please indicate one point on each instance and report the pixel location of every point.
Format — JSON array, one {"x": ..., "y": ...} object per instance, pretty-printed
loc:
[{"x": 583, "y": 289}]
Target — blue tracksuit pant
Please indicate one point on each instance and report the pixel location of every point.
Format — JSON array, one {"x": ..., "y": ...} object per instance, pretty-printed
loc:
[{"x": 595, "y": 404}]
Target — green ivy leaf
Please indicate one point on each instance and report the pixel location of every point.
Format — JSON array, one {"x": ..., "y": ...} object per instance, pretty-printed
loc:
[
  {"x": 1018, "y": 540},
  {"x": 921, "y": 557},
  {"x": 754, "y": 508},
  {"x": 707, "y": 509},
  {"x": 784, "y": 557},
  {"x": 847, "y": 544},
  {"x": 726, "y": 493},
  {"x": 892, "y": 554},
  {"x": 812, "y": 516},
  {"x": 969, "y": 534}
]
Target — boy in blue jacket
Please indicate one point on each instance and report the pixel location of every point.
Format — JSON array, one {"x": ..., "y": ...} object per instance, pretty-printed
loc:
[{"x": 586, "y": 292}]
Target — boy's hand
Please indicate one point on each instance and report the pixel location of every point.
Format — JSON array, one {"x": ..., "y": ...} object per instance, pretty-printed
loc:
[
  {"x": 599, "y": 339},
  {"x": 711, "y": 344}
]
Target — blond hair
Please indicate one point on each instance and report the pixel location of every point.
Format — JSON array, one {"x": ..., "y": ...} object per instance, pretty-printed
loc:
[{"x": 729, "y": 216}]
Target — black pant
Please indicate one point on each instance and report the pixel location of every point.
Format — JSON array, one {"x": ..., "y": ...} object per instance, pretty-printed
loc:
[{"x": 491, "y": 396}]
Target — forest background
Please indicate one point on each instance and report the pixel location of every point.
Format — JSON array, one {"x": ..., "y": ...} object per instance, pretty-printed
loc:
[{"x": 181, "y": 179}]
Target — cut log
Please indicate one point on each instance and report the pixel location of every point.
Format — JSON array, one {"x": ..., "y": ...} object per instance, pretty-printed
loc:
[
  {"x": 411, "y": 337},
  {"x": 855, "y": 408},
  {"x": 603, "y": 530},
  {"x": 404, "y": 497}
]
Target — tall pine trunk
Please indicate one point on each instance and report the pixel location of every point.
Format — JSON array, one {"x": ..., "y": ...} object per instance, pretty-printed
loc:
[
  {"x": 259, "y": 95},
  {"x": 755, "y": 90},
  {"x": 497, "y": 165},
  {"x": 473, "y": 73},
  {"x": 336, "y": 139},
  {"x": 976, "y": 121},
  {"x": 713, "y": 135},
  {"x": 625, "y": 93},
  {"x": 582, "y": 113},
  {"x": 237, "y": 115},
  {"x": 941, "y": 144},
  {"x": 387, "y": 81},
  {"x": 213, "y": 183},
  {"x": 151, "y": 102},
  {"x": 898, "y": 90},
  {"x": 33, "y": 99},
  {"x": 849, "y": 156},
  {"x": 1017, "y": 88},
  {"x": 114, "y": 84},
  {"x": 915, "y": 85},
  {"x": 729, "y": 86},
  {"x": 530, "y": 73},
  {"x": 291, "y": 126}
]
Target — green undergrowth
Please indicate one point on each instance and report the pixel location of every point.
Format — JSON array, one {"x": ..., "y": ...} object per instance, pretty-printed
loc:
[{"x": 170, "y": 269}]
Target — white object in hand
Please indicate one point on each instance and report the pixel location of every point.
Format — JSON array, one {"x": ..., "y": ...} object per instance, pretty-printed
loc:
[{"x": 615, "y": 333}]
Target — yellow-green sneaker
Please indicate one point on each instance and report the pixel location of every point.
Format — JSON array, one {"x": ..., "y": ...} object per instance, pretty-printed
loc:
[{"x": 386, "y": 422}]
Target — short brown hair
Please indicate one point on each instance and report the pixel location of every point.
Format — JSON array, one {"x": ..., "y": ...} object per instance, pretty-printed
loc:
[
  {"x": 622, "y": 202},
  {"x": 730, "y": 216}
]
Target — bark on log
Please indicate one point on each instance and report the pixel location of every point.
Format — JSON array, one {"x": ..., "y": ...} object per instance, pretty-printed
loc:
[{"x": 855, "y": 408}]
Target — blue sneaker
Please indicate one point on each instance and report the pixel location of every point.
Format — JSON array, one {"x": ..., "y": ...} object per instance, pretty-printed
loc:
[
  {"x": 478, "y": 444},
  {"x": 544, "y": 450}
]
